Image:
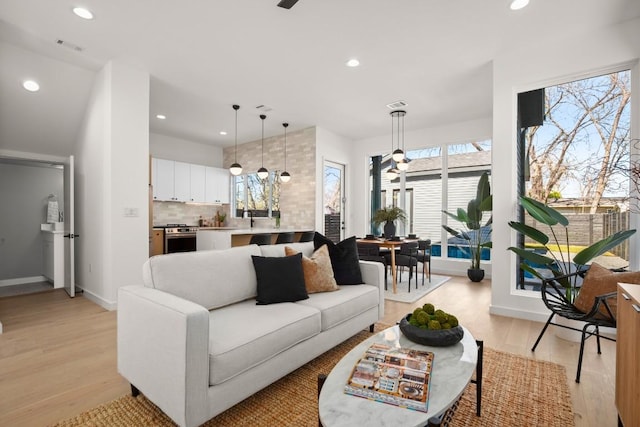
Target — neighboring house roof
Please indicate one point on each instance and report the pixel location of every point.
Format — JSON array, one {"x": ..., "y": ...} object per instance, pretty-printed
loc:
[{"x": 464, "y": 162}]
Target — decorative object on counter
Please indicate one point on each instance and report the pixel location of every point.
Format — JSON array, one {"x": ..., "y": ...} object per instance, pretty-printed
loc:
[
  {"x": 388, "y": 216},
  {"x": 236, "y": 168},
  {"x": 428, "y": 326},
  {"x": 285, "y": 176},
  {"x": 263, "y": 173},
  {"x": 53, "y": 213}
]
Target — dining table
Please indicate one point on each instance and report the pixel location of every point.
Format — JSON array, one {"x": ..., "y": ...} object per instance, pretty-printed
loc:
[{"x": 390, "y": 244}]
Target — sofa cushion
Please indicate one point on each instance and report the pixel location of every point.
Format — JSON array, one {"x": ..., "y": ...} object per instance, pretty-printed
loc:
[
  {"x": 280, "y": 279},
  {"x": 278, "y": 250},
  {"x": 210, "y": 278},
  {"x": 318, "y": 274},
  {"x": 344, "y": 304},
  {"x": 344, "y": 259},
  {"x": 244, "y": 335}
]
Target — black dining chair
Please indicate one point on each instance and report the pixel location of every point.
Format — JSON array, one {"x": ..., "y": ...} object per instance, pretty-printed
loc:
[
  {"x": 406, "y": 257},
  {"x": 307, "y": 236},
  {"x": 260, "y": 239},
  {"x": 286, "y": 237},
  {"x": 371, "y": 252},
  {"x": 424, "y": 256}
]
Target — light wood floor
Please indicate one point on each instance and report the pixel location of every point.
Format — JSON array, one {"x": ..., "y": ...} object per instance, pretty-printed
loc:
[{"x": 58, "y": 355}]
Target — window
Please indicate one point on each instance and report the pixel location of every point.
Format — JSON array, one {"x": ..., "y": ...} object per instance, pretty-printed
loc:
[
  {"x": 576, "y": 159},
  {"x": 261, "y": 196},
  {"x": 439, "y": 178}
]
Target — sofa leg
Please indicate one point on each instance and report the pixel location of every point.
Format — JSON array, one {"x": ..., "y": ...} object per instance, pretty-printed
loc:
[
  {"x": 134, "y": 391},
  {"x": 371, "y": 328}
]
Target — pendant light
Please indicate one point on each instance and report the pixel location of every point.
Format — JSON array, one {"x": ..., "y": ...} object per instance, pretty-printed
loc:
[
  {"x": 263, "y": 172},
  {"x": 403, "y": 163},
  {"x": 285, "y": 176},
  {"x": 392, "y": 172},
  {"x": 398, "y": 154},
  {"x": 236, "y": 168}
]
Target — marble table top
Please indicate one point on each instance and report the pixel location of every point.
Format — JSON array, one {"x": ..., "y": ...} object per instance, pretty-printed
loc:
[{"x": 452, "y": 370}]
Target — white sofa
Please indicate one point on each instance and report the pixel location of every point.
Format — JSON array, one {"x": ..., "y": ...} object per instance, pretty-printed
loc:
[{"x": 193, "y": 340}]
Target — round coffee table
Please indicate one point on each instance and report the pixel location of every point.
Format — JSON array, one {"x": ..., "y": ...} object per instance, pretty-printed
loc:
[{"x": 452, "y": 370}]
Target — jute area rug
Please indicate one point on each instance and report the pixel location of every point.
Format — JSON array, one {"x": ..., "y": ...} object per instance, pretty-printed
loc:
[{"x": 517, "y": 391}]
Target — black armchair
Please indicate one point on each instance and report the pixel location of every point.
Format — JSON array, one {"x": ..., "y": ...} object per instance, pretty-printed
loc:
[{"x": 600, "y": 314}]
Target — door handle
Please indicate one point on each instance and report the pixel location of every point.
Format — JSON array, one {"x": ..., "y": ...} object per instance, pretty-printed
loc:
[{"x": 71, "y": 236}]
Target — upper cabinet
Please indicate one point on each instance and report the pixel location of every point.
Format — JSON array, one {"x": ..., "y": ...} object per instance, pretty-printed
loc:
[
  {"x": 216, "y": 185},
  {"x": 186, "y": 182}
]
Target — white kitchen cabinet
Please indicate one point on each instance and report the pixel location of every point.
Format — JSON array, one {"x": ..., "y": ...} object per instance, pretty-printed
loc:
[
  {"x": 163, "y": 187},
  {"x": 182, "y": 182},
  {"x": 186, "y": 182},
  {"x": 197, "y": 183},
  {"x": 216, "y": 185},
  {"x": 53, "y": 257}
]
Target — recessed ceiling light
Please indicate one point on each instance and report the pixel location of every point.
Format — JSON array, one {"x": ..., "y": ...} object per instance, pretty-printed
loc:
[
  {"x": 83, "y": 13},
  {"x": 518, "y": 4},
  {"x": 160, "y": 116},
  {"x": 223, "y": 132},
  {"x": 31, "y": 85},
  {"x": 353, "y": 63}
]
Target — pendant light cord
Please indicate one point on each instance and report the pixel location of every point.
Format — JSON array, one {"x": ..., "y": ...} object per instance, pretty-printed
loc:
[{"x": 262, "y": 116}]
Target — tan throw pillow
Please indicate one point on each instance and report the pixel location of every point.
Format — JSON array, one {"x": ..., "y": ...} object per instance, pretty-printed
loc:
[
  {"x": 318, "y": 274},
  {"x": 600, "y": 281}
]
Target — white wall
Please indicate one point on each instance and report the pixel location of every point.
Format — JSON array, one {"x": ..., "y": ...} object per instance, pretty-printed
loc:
[
  {"x": 111, "y": 175},
  {"x": 182, "y": 150},
  {"x": 532, "y": 67}
]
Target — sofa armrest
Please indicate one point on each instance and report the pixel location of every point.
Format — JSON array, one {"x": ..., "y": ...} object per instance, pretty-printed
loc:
[
  {"x": 373, "y": 274},
  {"x": 163, "y": 343}
]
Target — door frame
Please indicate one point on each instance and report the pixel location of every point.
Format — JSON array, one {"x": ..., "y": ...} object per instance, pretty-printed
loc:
[{"x": 343, "y": 197}]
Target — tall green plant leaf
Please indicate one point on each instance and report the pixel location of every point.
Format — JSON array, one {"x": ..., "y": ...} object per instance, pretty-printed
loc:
[
  {"x": 532, "y": 256},
  {"x": 599, "y": 248},
  {"x": 532, "y": 233},
  {"x": 543, "y": 213}
]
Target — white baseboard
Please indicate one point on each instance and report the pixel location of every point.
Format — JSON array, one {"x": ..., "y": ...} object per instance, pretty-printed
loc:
[
  {"x": 22, "y": 280},
  {"x": 107, "y": 305}
]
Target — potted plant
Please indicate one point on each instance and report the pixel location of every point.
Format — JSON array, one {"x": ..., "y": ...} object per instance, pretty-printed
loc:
[
  {"x": 474, "y": 234},
  {"x": 388, "y": 216},
  {"x": 556, "y": 256}
]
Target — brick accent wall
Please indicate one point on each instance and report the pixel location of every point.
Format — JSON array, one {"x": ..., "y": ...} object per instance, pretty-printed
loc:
[{"x": 297, "y": 197}]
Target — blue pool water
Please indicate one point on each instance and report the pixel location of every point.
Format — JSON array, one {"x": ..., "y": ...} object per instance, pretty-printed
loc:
[{"x": 456, "y": 252}]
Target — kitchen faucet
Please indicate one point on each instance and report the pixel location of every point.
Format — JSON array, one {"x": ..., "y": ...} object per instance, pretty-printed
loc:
[{"x": 250, "y": 212}]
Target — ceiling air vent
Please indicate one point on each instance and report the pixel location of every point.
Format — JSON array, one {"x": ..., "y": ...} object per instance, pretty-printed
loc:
[
  {"x": 397, "y": 104},
  {"x": 264, "y": 108},
  {"x": 68, "y": 45}
]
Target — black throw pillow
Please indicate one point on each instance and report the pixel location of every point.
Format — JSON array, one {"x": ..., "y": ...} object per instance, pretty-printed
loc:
[
  {"x": 344, "y": 259},
  {"x": 280, "y": 279}
]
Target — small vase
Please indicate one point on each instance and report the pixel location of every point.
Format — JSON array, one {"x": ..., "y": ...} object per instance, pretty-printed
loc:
[
  {"x": 389, "y": 230},
  {"x": 475, "y": 274}
]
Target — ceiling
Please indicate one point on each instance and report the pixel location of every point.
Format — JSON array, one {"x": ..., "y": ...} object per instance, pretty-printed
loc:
[{"x": 204, "y": 56}]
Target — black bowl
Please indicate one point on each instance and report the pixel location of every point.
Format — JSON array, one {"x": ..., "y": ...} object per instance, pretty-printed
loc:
[{"x": 432, "y": 337}]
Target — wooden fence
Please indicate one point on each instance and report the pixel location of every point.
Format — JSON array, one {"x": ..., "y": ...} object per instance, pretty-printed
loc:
[{"x": 586, "y": 229}]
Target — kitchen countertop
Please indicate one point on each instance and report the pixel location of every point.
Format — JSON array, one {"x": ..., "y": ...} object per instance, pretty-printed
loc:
[{"x": 254, "y": 230}]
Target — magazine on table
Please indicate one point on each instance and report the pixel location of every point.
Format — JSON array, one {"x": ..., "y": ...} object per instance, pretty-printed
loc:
[{"x": 397, "y": 376}]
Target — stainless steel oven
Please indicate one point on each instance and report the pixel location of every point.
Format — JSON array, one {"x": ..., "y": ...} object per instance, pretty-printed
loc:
[{"x": 179, "y": 238}]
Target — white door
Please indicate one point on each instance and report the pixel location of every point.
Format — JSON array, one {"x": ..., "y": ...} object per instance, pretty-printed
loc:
[
  {"x": 334, "y": 201},
  {"x": 70, "y": 236}
]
